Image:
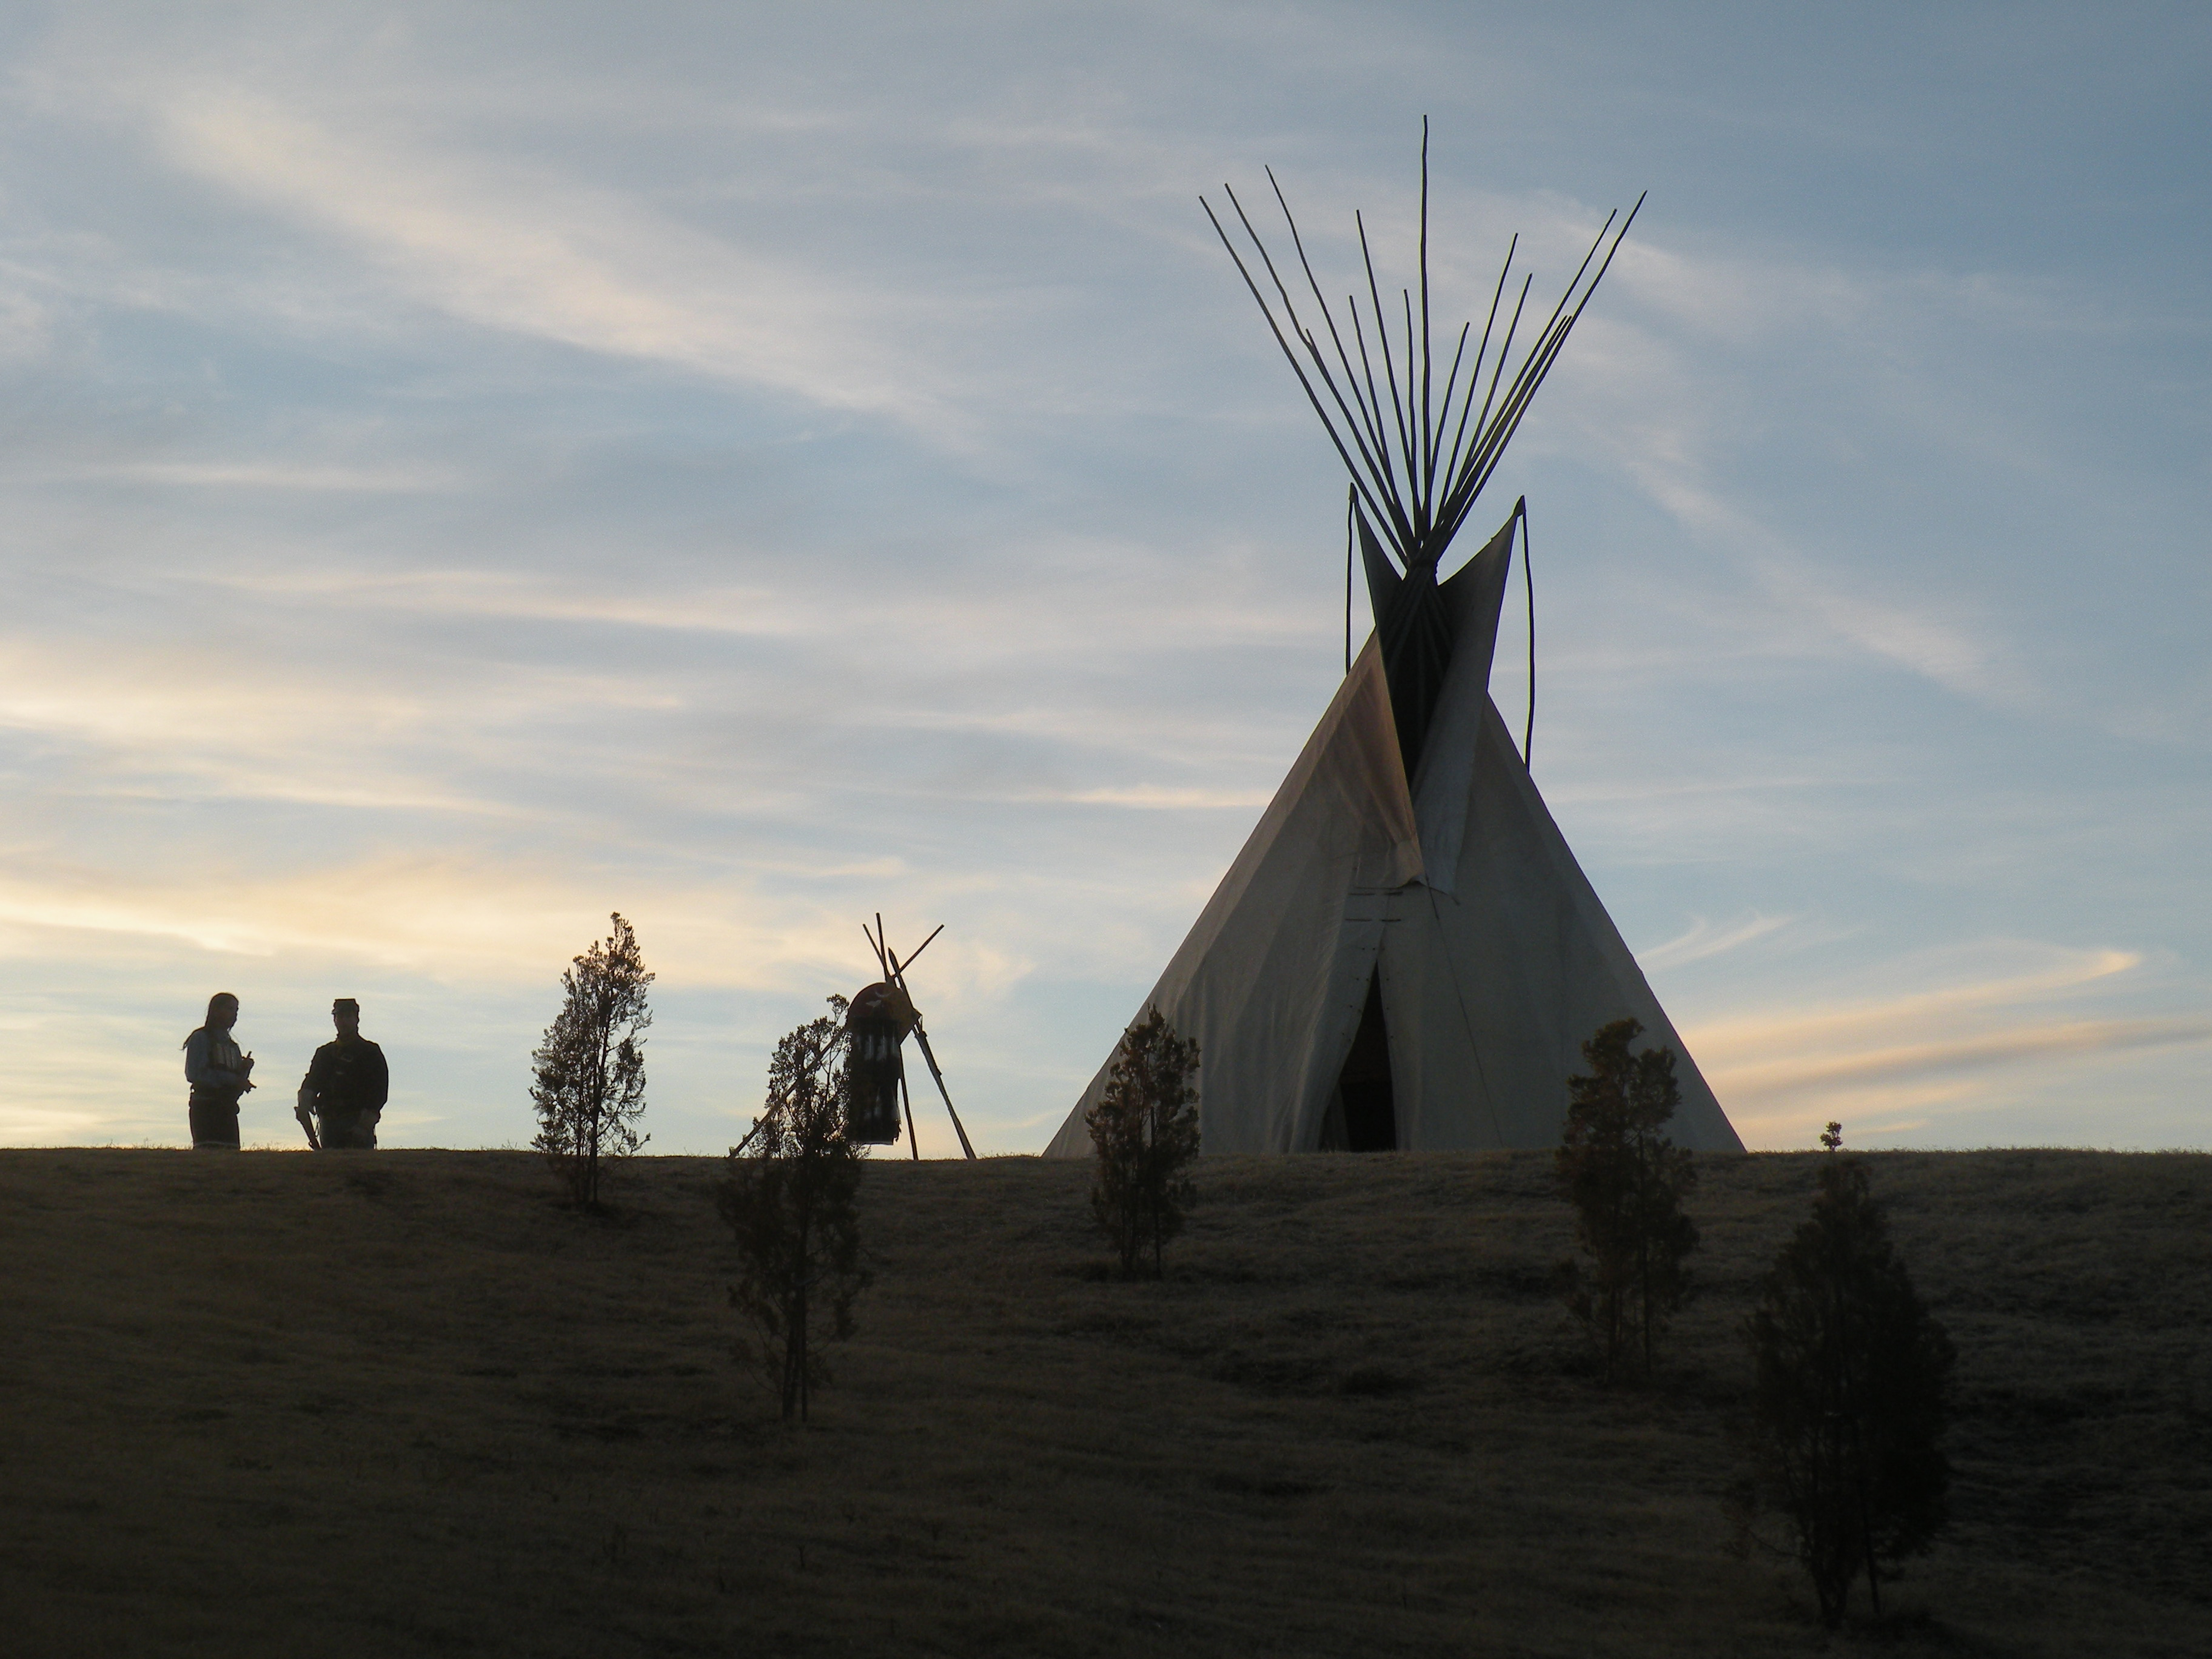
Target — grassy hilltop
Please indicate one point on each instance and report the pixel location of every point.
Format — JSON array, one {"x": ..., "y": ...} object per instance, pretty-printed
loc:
[{"x": 403, "y": 1403}]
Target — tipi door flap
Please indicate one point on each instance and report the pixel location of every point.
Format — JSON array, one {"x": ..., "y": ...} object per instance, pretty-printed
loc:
[
  {"x": 1367, "y": 913},
  {"x": 1443, "y": 1088}
]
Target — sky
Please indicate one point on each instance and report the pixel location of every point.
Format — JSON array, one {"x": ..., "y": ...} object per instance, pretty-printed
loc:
[{"x": 470, "y": 469}]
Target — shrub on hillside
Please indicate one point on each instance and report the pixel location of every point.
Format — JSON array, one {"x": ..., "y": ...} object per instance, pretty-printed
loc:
[
  {"x": 1626, "y": 1182},
  {"x": 791, "y": 1198},
  {"x": 1850, "y": 1399},
  {"x": 1145, "y": 1127},
  {"x": 588, "y": 1074}
]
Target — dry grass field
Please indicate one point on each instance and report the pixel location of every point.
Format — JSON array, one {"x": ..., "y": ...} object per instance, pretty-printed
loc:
[{"x": 403, "y": 1403}]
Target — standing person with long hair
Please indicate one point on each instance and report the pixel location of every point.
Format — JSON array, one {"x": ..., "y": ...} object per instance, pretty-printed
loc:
[{"x": 219, "y": 1074}]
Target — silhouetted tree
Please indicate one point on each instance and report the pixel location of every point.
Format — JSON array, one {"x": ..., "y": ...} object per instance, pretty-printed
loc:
[
  {"x": 1851, "y": 1379},
  {"x": 790, "y": 1196},
  {"x": 589, "y": 1072},
  {"x": 1626, "y": 1182},
  {"x": 1145, "y": 1129}
]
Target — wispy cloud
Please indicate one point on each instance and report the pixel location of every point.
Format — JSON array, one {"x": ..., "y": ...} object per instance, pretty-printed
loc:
[
  {"x": 1159, "y": 797},
  {"x": 2065, "y": 970},
  {"x": 504, "y": 248},
  {"x": 1130, "y": 601},
  {"x": 749, "y": 612},
  {"x": 319, "y": 479},
  {"x": 1702, "y": 941},
  {"x": 1911, "y": 1062},
  {"x": 1776, "y": 1074},
  {"x": 451, "y": 917},
  {"x": 1944, "y": 651},
  {"x": 489, "y": 915},
  {"x": 208, "y": 719}
]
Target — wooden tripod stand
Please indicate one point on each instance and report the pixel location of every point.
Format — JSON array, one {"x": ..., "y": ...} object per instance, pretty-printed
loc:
[{"x": 895, "y": 975}]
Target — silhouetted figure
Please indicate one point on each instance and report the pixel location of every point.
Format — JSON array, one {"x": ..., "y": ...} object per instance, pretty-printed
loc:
[
  {"x": 219, "y": 1074},
  {"x": 347, "y": 1085}
]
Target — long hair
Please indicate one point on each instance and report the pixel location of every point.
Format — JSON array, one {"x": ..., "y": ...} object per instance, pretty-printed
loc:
[{"x": 220, "y": 996}]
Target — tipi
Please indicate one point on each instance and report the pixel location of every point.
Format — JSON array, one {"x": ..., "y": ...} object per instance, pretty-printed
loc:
[{"x": 1406, "y": 954}]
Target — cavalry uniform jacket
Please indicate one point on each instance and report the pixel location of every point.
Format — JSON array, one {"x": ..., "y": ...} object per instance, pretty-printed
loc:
[{"x": 348, "y": 1079}]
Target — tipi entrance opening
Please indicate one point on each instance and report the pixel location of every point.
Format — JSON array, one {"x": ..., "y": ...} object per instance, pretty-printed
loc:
[{"x": 1363, "y": 1097}]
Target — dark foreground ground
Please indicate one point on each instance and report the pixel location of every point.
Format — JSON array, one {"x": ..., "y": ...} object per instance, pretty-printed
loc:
[{"x": 404, "y": 1403}]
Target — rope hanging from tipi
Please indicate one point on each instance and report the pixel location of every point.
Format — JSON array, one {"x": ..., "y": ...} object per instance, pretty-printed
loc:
[
  {"x": 1351, "y": 507},
  {"x": 1528, "y": 577}
]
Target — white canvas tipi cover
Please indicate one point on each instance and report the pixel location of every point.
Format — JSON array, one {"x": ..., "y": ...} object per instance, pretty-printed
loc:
[{"x": 1456, "y": 897}]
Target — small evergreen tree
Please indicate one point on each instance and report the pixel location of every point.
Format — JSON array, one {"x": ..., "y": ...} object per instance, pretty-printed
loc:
[
  {"x": 1850, "y": 1397},
  {"x": 1145, "y": 1129},
  {"x": 790, "y": 1196},
  {"x": 1626, "y": 1182},
  {"x": 588, "y": 1081}
]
